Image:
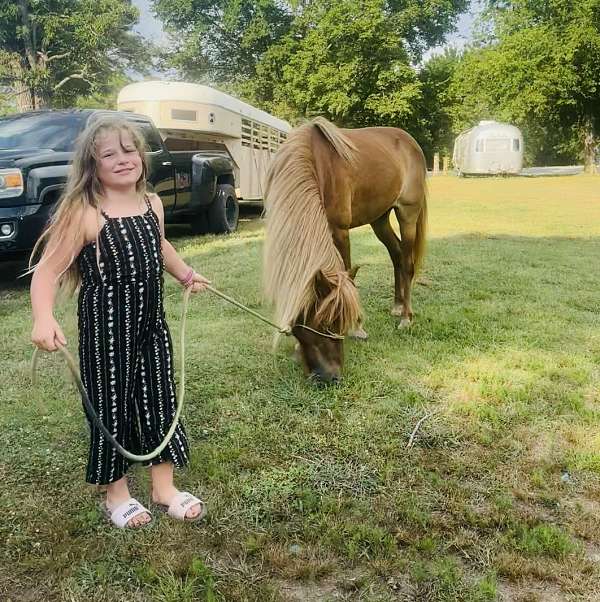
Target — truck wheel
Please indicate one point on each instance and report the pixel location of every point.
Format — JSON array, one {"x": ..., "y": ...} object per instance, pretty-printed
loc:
[{"x": 224, "y": 211}]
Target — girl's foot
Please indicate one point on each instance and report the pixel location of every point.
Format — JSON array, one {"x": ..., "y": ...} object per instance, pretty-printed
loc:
[
  {"x": 116, "y": 494},
  {"x": 168, "y": 495},
  {"x": 127, "y": 515}
]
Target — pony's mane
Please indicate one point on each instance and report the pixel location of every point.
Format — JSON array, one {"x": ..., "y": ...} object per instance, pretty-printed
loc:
[{"x": 299, "y": 246}]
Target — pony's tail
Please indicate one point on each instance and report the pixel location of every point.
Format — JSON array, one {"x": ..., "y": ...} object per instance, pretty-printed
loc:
[
  {"x": 420, "y": 239},
  {"x": 342, "y": 145}
]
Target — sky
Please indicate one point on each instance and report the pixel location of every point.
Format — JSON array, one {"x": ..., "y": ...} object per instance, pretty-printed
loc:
[
  {"x": 151, "y": 28},
  {"x": 463, "y": 35}
]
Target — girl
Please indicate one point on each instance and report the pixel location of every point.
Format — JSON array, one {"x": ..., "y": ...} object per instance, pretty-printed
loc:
[{"x": 107, "y": 237}]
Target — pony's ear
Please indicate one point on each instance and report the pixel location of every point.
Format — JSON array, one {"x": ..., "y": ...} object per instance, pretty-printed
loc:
[
  {"x": 352, "y": 272},
  {"x": 322, "y": 285}
]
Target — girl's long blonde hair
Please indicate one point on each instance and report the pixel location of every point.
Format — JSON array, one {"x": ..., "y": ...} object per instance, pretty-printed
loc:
[{"x": 83, "y": 189}]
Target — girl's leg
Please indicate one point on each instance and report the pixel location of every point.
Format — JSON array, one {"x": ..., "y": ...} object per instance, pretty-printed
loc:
[
  {"x": 155, "y": 400},
  {"x": 156, "y": 396},
  {"x": 163, "y": 489}
]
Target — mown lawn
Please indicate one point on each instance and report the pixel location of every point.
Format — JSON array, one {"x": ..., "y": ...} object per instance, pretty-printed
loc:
[{"x": 313, "y": 494}]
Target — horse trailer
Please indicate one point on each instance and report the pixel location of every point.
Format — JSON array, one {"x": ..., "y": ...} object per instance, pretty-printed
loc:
[
  {"x": 195, "y": 117},
  {"x": 489, "y": 148}
]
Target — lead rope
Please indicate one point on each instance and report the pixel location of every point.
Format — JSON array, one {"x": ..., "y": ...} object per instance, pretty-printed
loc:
[
  {"x": 180, "y": 395},
  {"x": 286, "y": 331},
  {"x": 92, "y": 412}
]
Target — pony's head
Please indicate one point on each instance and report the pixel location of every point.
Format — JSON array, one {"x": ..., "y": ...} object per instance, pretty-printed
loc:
[
  {"x": 322, "y": 357},
  {"x": 320, "y": 329},
  {"x": 304, "y": 274}
]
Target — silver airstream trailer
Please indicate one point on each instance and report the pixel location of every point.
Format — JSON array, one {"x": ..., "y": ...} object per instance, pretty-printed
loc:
[
  {"x": 489, "y": 148},
  {"x": 195, "y": 117}
]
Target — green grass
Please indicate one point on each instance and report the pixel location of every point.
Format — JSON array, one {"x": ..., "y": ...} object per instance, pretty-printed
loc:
[{"x": 313, "y": 494}]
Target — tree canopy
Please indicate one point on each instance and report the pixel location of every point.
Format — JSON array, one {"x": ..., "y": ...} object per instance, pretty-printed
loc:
[
  {"x": 55, "y": 51},
  {"x": 435, "y": 129},
  {"x": 351, "y": 61},
  {"x": 535, "y": 63}
]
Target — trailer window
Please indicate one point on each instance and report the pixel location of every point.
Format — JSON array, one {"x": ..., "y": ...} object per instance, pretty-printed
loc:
[
  {"x": 264, "y": 137},
  {"x": 497, "y": 144},
  {"x": 274, "y": 140},
  {"x": 246, "y": 132},
  {"x": 516, "y": 144},
  {"x": 255, "y": 135},
  {"x": 260, "y": 136},
  {"x": 183, "y": 115}
]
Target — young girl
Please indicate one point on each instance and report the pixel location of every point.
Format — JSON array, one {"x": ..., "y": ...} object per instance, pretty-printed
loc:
[{"x": 107, "y": 237}]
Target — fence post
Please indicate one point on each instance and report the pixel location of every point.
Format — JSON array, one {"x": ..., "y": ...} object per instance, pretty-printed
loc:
[{"x": 436, "y": 164}]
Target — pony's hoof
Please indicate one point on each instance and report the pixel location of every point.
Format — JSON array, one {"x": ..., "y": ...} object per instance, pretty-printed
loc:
[
  {"x": 359, "y": 334},
  {"x": 404, "y": 323},
  {"x": 398, "y": 310}
]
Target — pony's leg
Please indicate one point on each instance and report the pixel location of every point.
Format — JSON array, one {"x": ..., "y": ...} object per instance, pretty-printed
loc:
[
  {"x": 385, "y": 233},
  {"x": 341, "y": 238},
  {"x": 408, "y": 233}
]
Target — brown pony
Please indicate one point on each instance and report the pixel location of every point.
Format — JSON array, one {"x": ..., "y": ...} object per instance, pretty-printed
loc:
[{"x": 322, "y": 182}]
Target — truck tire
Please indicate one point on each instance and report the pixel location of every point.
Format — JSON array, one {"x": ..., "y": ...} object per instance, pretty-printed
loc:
[{"x": 224, "y": 211}]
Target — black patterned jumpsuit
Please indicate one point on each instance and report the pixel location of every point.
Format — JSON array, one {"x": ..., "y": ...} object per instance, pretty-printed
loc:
[{"x": 125, "y": 348}]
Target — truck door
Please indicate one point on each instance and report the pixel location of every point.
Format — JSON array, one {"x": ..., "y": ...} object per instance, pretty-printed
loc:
[{"x": 182, "y": 164}]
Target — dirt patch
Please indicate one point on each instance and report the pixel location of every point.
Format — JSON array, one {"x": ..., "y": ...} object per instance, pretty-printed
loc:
[
  {"x": 311, "y": 592},
  {"x": 527, "y": 591}
]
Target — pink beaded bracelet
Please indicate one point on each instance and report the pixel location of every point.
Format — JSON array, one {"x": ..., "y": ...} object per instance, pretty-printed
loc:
[{"x": 189, "y": 279}]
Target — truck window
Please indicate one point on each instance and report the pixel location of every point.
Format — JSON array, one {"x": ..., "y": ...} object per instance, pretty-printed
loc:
[
  {"x": 55, "y": 131},
  {"x": 151, "y": 136}
]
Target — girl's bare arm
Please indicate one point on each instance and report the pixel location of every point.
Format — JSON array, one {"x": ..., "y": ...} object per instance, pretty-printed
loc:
[{"x": 56, "y": 258}]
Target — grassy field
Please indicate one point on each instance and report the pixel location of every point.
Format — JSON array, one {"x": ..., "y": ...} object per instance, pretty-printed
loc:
[{"x": 313, "y": 494}]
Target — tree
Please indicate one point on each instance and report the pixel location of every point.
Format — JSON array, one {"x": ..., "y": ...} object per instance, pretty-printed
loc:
[
  {"x": 350, "y": 66},
  {"x": 541, "y": 71},
  {"x": 349, "y": 60},
  {"x": 104, "y": 97},
  {"x": 222, "y": 40},
  {"x": 436, "y": 134},
  {"x": 54, "y": 51}
]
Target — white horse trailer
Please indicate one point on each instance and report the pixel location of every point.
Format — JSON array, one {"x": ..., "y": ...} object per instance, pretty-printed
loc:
[
  {"x": 196, "y": 117},
  {"x": 489, "y": 148}
]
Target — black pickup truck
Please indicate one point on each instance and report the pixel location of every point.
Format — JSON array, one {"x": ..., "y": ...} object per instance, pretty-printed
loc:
[{"x": 36, "y": 150}]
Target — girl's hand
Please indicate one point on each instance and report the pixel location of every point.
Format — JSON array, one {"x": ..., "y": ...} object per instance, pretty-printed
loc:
[
  {"x": 46, "y": 334},
  {"x": 199, "y": 283}
]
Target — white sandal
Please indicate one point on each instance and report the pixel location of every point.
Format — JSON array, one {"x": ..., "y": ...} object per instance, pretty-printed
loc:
[
  {"x": 123, "y": 513},
  {"x": 180, "y": 504}
]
